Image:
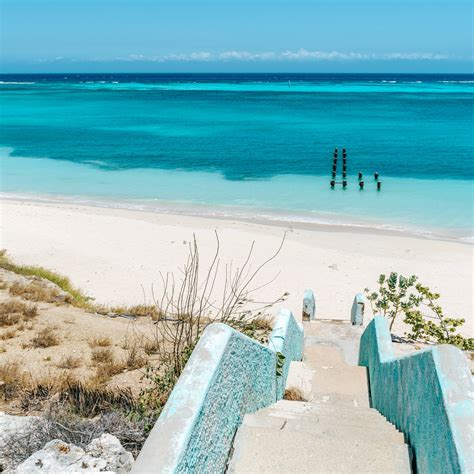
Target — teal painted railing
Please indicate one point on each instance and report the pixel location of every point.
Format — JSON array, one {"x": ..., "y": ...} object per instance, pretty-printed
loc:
[
  {"x": 227, "y": 376},
  {"x": 426, "y": 395}
]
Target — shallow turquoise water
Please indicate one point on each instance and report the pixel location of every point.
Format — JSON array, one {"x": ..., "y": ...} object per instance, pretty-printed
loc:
[{"x": 253, "y": 146}]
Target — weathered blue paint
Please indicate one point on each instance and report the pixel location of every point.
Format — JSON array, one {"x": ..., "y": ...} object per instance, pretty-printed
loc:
[
  {"x": 426, "y": 395},
  {"x": 358, "y": 308},
  {"x": 227, "y": 376},
  {"x": 309, "y": 306}
]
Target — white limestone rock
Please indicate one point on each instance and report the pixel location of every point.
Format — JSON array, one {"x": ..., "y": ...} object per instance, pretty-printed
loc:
[
  {"x": 58, "y": 456},
  {"x": 108, "y": 447},
  {"x": 104, "y": 454}
]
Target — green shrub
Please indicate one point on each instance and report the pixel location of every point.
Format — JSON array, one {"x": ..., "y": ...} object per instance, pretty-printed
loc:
[{"x": 401, "y": 295}]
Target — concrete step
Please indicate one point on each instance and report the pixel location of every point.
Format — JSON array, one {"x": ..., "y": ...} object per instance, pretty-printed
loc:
[
  {"x": 261, "y": 450},
  {"x": 343, "y": 415},
  {"x": 335, "y": 408},
  {"x": 339, "y": 334},
  {"x": 315, "y": 413},
  {"x": 325, "y": 426},
  {"x": 324, "y": 372}
]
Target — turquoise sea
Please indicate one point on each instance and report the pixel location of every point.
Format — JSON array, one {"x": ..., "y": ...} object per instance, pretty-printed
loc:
[{"x": 247, "y": 145}]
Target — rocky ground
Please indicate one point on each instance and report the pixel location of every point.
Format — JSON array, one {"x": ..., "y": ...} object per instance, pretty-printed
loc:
[
  {"x": 59, "y": 362},
  {"x": 104, "y": 453}
]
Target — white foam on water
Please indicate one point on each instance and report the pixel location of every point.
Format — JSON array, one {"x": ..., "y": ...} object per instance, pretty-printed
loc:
[{"x": 15, "y": 82}]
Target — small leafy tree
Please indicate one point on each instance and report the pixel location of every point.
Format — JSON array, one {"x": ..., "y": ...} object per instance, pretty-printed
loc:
[
  {"x": 429, "y": 323},
  {"x": 419, "y": 305},
  {"x": 392, "y": 297}
]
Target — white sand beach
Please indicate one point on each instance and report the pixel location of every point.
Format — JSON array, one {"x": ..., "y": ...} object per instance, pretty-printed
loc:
[{"x": 117, "y": 255}]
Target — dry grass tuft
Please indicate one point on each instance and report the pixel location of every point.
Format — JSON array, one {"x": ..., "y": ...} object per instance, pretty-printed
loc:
[
  {"x": 263, "y": 323},
  {"x": 35, "y": 393},
  {"x": 9, "y": 319},
  {"x": 151, "y": 347},
  {"x": 10, "y": 334},
  {"x": 36, "y": 291},
  {"x": 91, "y": 400},
  {"x": 104, "y": 372},
  {"x": 137, "y": 311},
  {"x": 294, "y": 394},
  {"x": 135, "y": 360},
  {"x": 22, "y": 326},
  {"x": 12, "y": 379},
  {"x": 14, "y": 311},
  {"x": 45, "y": 338},
  {"x": 106, "y": 368},
  {"x": 145, "y": 311},
  {"x": 100, "y": 342},
  {"x": 102, "y": 356},
  {"x": 69, "y": 362}
]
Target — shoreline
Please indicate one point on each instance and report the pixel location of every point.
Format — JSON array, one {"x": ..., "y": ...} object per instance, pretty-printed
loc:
[
  {"x": 429, "y": 208},
  {"x": 231, "y": 213},
  {"x": 116, "y": 255}
]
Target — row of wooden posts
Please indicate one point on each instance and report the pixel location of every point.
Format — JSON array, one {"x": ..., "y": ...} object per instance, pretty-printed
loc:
[{"x": 333, "y": 181}]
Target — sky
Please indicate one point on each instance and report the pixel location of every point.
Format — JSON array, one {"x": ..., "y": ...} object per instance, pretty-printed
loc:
[{"x": 236, "y": 36}]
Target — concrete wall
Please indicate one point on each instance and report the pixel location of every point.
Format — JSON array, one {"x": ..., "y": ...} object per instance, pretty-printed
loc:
[
  {"x": 426, "y": 395},
  {"x": 227, "y": 376},
  {"x": 288, "y": 339}
]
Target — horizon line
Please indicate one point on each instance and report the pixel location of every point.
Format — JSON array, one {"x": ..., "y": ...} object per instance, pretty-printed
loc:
[{"x": 236, "y": 72}]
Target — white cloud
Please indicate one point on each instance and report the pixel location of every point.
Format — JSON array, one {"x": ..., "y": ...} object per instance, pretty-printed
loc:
[
  {"x": 283, "y": 56},
  {"x": 298, "y": 55}
]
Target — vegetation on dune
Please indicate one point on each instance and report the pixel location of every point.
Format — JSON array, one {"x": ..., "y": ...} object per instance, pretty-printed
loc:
[
  {"x": 399, "y": 295},
  {"x": 45, "y": 338},
  {"x": 69, "y": 362},
  {"x": 102, "y": 356},
  {"x": 13, "y": 311},
  {"x": 12, "y": 381},
  {"x": 36, "y": 291},
  {"x": 100, "y": 342},
  {"x": 78, "y": 297}
]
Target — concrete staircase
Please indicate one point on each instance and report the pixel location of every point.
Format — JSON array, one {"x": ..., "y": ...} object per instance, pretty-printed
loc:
[{"x": 335, "y": 430}]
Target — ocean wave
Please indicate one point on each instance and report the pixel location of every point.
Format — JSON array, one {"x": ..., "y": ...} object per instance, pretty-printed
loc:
[
  {"x": 456, "y": 82},
  {"x": 96, "y": 162},
  {"x": 15, "y": 82},
  {"x": 386, "y": 85}
]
